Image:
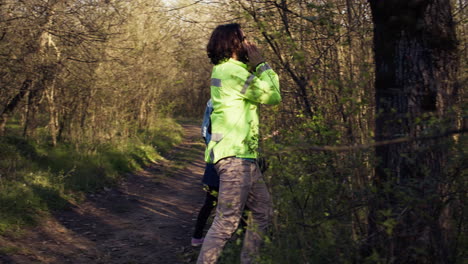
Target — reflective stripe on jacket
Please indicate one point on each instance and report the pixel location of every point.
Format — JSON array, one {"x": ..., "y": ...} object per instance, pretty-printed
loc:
[{"x": 235, "y": 94}]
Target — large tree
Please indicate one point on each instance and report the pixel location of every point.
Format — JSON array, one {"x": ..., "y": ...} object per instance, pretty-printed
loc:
[{"x": 416, "y": 70}]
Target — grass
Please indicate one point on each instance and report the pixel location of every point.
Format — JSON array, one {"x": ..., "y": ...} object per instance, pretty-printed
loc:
[
  {"x": 36, "y": 178},
  {"x": 9, "y": 250}
]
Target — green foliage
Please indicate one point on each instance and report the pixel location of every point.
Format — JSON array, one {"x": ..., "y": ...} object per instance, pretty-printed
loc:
[
  {"x": 232, "y": 251},
  {"x": 22, "y": 201},
  {"x": 163, "y": 135},
  {"x": 36, "y": 178},
  {"x": 321, "y": 198},
  {"x": 318, "y": 205},
  {"x": 9, "y": 250}
]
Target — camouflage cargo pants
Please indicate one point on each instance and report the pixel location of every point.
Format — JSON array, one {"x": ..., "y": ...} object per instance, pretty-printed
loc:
[{"x": 241, "y": 183}]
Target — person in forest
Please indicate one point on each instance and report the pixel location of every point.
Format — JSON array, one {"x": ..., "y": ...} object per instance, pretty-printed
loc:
[
  {"x": 240, "y": 81},
  {"x": 211, "y": 187},
  {"x": 210, "y": 181},
  {"x": 211, "y": 184}
]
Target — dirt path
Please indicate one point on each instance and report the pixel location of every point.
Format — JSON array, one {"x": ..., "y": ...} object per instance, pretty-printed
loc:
[{"x": 149, "y": 218}]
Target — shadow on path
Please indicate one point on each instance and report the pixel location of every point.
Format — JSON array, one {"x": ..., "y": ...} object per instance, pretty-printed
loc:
[{"x": 148, "y": 218}]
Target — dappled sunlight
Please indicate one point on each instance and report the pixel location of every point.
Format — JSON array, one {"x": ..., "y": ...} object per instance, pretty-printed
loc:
[
  {"x": 51, "y": 243},
  {"x": 101, "y": 103},
  {"x": 140, "y": 220}
]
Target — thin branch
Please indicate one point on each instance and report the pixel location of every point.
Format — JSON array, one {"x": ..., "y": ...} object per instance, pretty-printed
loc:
[
  {"x": 369, "y": 145},
  {"x": 185, "y": 6},
  {"x": 85, "y": 61}
]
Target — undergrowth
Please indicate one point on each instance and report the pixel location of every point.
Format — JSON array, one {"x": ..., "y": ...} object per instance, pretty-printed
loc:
[{"x": 36, "y": 178}]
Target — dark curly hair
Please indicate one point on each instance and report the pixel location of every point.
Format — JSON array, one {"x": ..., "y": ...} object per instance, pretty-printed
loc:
[{"x": 225, "y": 41}]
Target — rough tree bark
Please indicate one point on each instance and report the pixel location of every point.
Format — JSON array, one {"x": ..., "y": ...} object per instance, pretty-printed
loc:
[{"x": 416, "y": 69}]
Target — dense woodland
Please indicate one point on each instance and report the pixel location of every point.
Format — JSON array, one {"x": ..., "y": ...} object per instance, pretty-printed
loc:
[{"x": 366, "y": 153}]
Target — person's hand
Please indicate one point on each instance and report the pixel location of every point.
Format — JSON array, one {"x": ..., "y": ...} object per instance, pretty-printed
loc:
[{"x": 255, "y": 57}]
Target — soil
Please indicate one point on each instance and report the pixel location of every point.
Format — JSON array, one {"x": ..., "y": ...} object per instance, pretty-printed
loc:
[{"x": 147, "y": 218}]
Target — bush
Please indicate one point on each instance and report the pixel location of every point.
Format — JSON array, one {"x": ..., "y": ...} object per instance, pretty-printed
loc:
[{"x": 317, "y": 199}]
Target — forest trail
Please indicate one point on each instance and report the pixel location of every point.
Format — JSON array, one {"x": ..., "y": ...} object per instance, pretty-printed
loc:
[{"x": 148, "y": 218}]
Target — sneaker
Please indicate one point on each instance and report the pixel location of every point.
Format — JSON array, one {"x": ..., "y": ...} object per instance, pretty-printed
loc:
[{"x": 196, "y": 242}]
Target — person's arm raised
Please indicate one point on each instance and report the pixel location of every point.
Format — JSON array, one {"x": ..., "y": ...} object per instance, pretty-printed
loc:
[{"x": 255, "y": 57}]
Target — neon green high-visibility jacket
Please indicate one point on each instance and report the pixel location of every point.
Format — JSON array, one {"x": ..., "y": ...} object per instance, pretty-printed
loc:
[{"x": 236, "y": 94}]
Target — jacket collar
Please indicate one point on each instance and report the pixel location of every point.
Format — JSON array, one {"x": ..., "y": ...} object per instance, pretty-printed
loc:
[{"x": 240, "y": 63}]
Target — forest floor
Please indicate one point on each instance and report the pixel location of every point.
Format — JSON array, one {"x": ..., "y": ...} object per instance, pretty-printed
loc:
[{"x": 147, "y": 218}]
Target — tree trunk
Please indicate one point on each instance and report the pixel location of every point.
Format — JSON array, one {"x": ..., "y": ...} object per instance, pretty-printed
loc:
[
  {"x": 53, "y": 112},
  {"x": 12, "y": 105},
  {"x": 416, "y": 67}
]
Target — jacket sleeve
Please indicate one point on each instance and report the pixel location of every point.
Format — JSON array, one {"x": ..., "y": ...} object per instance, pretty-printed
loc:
[
  {"x": 262, "y": 86},
  {"x": 206, "y": 124}
]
